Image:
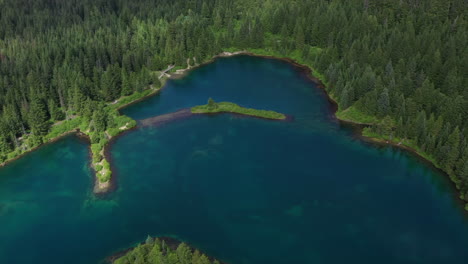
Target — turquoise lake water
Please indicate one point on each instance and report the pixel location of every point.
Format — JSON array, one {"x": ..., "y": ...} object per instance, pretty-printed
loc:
[{"x": 244, "y": 190}]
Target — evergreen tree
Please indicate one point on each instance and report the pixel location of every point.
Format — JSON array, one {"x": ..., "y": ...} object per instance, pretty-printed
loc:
[
  {"x": 344, "y": 98},
  {"x": 99, "y": 120},
  {"x": 300, "y": 38},
  {"x": 126, "y": 87},
  {"x": 184, "y": 254},
  {"x": 212, "y": 104},
  {"x": 38, "y": 118},
  {"x": 453, "y": 145},
  {"x": 384, "y": 103},
  {"x": 55, "y": 113},
  {"x": 149, "y": 240}
]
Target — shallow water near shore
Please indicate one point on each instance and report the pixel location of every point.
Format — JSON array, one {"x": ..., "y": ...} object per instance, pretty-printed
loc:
[{"x": 244, "y": 190}]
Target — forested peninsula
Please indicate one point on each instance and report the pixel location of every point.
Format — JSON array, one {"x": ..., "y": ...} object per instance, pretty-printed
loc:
[{"x": 398, "y": 67}]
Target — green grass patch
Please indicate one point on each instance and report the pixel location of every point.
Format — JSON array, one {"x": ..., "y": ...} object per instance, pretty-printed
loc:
[
  {"x": 227, "y": 107},
  {"x": 62, "y": 128}
]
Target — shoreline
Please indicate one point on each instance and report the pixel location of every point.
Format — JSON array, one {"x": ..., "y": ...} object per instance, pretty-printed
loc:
[
  {"x": 101, "y": 189},
  {"x": 334, "y": 106},
  {"x": 50, "y": 141},
  {"x": 181, "y": 73},
  {"x": 151, "y": 94},
  {"x": 361, "y": 126},
  {"x": 309, "y": 73},
  {"x": 288, "y": 118},
  {"x": 111, "y": 185}
]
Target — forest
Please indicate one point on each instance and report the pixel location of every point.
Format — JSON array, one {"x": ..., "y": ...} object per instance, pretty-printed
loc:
[
  {"x": 158, "y": 251},
  {"x": 397, "y": 66}
]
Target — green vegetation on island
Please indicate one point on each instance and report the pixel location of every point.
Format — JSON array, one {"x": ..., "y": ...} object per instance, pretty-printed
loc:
[
  {"x": 226, "y": 107},
  {"x": 157, "y": 251}
]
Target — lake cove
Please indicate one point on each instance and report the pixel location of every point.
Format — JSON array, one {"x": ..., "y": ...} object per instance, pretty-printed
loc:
[{"x": 243, "y": 190}]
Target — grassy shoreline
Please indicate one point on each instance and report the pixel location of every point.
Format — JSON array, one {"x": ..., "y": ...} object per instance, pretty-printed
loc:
[{"x": 228, "y": 107}]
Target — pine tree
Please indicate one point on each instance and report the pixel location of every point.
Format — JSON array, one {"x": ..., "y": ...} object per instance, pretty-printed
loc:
[
  {"x": 149, "y": 240},
  {"x": 384, "y": 103},
  {"x": 212, "y": 104},
  {"x": 184, "y": 254},
  {"x": 420, "y": 127},
  {"x": 204, "y": 260},
  {"x": 453, "y": 144},
  {"x": 439, "y": 9},
  {"x": 55, "y": 113},
  {"x": 38, "y": 118},
  {"x": 78, "y": 99},
  {"x": 218, "y": 21},
  {"x": 156, "y": 255},
  {"x": 344, "y": 99},
  {"x": 99, "y": 120},
  {"x": 5, "y": 147},
  {"x": 300, "y": 38},
  {"x": 126, "y": 87}
]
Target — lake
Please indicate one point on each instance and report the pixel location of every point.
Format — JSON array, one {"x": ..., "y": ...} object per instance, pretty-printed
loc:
[{"x": 243, "y": 190}]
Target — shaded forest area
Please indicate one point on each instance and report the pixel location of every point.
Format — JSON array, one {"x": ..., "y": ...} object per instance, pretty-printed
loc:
[{"x": 398, "y": 65}]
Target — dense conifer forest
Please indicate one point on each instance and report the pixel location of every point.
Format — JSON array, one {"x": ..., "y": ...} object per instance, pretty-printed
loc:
[
  {"x": 157, "y": 251},
  {"x": 399, "y": 66}
]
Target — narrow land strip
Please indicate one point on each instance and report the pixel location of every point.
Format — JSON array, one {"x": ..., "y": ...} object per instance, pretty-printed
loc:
[{"x": 227, "y": 107}]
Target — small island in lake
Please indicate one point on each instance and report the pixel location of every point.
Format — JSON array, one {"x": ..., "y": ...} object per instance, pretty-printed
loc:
[
  {"x": 161, "y": 250},
  {"x": 226, "y": 107}
]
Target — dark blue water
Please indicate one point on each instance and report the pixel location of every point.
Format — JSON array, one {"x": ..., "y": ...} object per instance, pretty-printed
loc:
[{"x": 247, "y": 191}]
